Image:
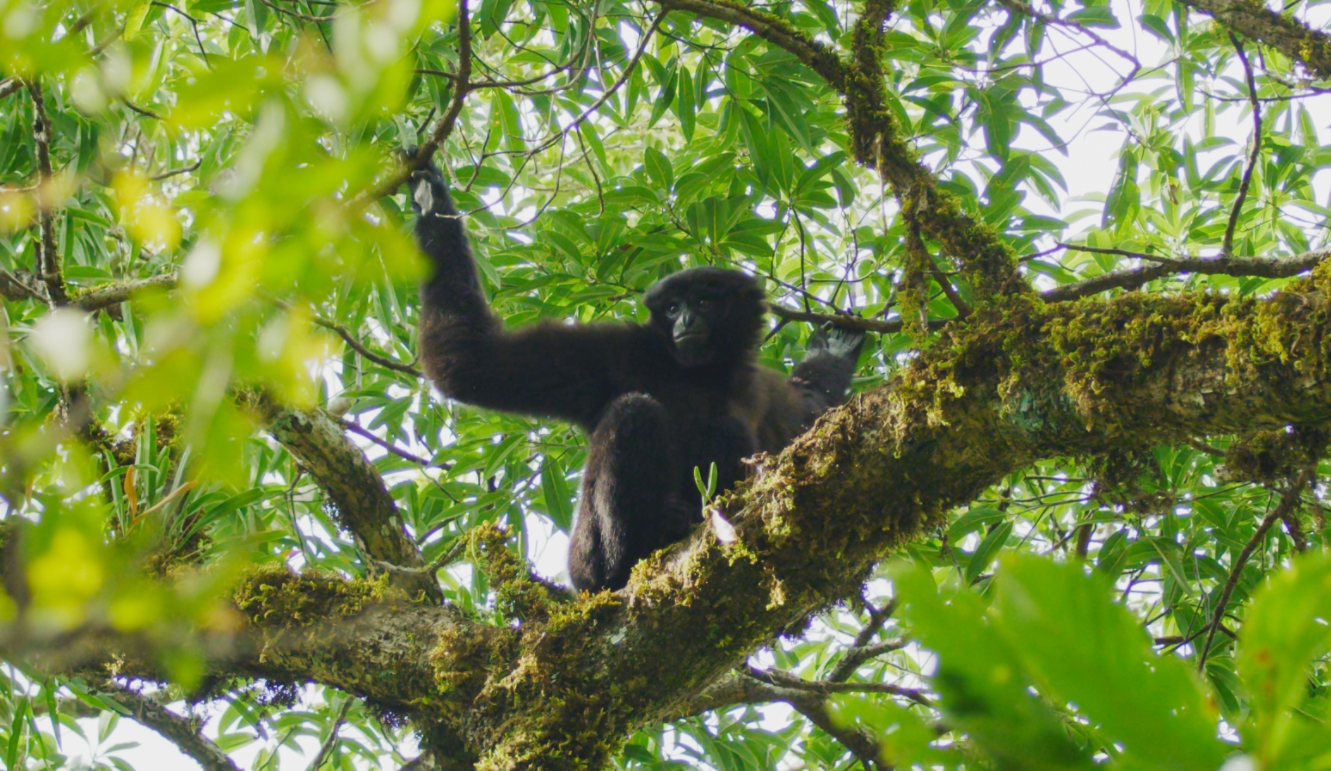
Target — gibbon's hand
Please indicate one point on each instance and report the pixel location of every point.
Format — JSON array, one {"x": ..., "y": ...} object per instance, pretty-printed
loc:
[{"x": 836, "y": 341}]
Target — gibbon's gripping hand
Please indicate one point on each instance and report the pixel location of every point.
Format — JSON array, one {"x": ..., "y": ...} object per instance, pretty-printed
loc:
[
  {"x": 429, "y": 192},
  {"x": 454, "y": 290},
  {"x": 836, "y": 341}
]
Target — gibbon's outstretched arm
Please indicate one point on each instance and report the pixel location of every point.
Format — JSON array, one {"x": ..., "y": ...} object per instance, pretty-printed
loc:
[
  {"x": 824, "y": 376},
  {"x": 549, "y": 369}
]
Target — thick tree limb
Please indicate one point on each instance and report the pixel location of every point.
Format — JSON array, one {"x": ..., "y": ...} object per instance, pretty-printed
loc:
[
  {"x": 1018, "y": 383},
  {"x": 364, "y": 506},
  {"x": 1284, "y": 33},
  {"x": 177, "y": 729}
]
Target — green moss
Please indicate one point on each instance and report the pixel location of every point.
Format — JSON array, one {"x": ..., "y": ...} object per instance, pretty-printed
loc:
[
  {"x": 518, "y": 594},
  {"x": 273, "y": 594},
  {"x": 1272, "y": 457}
]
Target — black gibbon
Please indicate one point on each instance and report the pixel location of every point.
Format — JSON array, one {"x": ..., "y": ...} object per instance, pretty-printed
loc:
[{"x": 657, "y": 400}]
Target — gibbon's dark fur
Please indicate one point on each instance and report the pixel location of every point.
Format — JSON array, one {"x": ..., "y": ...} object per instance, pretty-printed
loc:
[{"x": 657, "y": 400}]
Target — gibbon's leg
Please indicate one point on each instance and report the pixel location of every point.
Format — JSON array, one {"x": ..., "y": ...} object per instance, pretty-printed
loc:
[{"x": 627, "y": 509}]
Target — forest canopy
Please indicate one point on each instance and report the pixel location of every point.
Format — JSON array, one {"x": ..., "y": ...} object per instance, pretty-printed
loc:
[{"x": 1072, "y": 518}]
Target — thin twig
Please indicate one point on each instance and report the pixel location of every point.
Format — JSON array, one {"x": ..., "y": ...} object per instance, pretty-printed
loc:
[
  {"x": 1227, "y": 246},
  {"x": 862, "y": 649},
  {"x": 173, "y": 172},
  {"x": 827, "y": 688},
  {"x": 1021, "y": 7},
  {"x": 447, "y": 558},
  {"x": 861, "y": 745},
  {"x": 891, "y": 326},
  {"x": 1262, "y": 267},
  {"x": 462, "y": 86},
  {"x": 623, "y": 77},
  {"x": 193, "y": 23},
  {"x": 330, "y": 741},
  {"x": 360, "y": 430},
  {"x": 360, "y": 348},
  {"x": 1288, "y": 501},
  {"x": 140, "y": 110},
  {"x": 14, "y": 288},
  {"x": 297, "y": 14}
]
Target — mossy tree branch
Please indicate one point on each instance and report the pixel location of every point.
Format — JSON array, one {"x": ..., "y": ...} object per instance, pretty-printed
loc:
[
  {"x": 364, "y": 506},
  {"x": 983, "y": 259},
  {"x": 1284, "y": 33},
  {"x": 562, "y": 683}
]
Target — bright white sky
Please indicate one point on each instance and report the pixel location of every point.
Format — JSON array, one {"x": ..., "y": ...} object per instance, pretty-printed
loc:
[{"x": 1088, "y": 168}]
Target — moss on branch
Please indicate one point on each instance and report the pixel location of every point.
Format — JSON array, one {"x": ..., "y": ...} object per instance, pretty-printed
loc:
[{"x": 557, "y": 685}]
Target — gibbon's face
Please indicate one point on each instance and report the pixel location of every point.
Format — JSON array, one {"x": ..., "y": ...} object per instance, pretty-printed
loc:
[{"x": 706, "y": 314}]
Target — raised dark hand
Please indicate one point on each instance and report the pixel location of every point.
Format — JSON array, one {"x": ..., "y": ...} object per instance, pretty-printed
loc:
[{"x": 837, "y": 341}]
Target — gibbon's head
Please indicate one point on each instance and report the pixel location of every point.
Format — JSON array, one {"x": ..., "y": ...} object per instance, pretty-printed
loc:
[{"x": 707, "y": 315}]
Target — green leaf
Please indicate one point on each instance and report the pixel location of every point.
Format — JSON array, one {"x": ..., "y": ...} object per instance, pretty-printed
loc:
[
  {"x": 506, "y": 113},
  {"x": 987, "y": 551},
  {"x": 1095, "y": 16},
  {"x": 135, "y": 17},
  {"x": 667, "y": 95},
  {"x": 684, "y": 107},
  {"x": 1084, "y": 649},
  {"x": 16, "y": 732},
  {"x": 659, "y": 169},
  {"x": 554, "y": 486},
  {"x": 1288, "y": 625},
  {"x": 981, "y": 682}
]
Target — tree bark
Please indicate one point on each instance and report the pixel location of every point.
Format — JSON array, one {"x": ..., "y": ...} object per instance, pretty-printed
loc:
[{"x": 563, "y": 683}]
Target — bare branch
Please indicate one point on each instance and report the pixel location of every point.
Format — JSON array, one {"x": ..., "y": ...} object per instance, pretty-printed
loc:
[
  {"x": 1262, "y": 267},
  {"x": 48, "y": 258},
  {"x": 461, "y": 87},
  {"x": 1024, "y": 8},
  {"x": 624, "y": 76},
  {"x": 1288, "y": 501},
  {"x": 330, "y": 741},
  {"x": 364, "y": 506},
  {"x": 173, "y": 172},
  {"x": 827, "y": 687},
  {"x": 1283, "y": 32},
  {"x": 857, "y": 323},
  {"x": 180, "y": 731},
  {"x": 862, "y": 649},
  {"x": 360, "y": 348},
  {"x": 360, "y": 430},
  {"x": 14, "y": 288},
  {"x": 1227, "y": 246}
]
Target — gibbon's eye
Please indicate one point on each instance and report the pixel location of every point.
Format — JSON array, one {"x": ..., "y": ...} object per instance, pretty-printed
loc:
[
  {"x": 704, "y": 304},
  {"x": 672, "y": 310}
]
